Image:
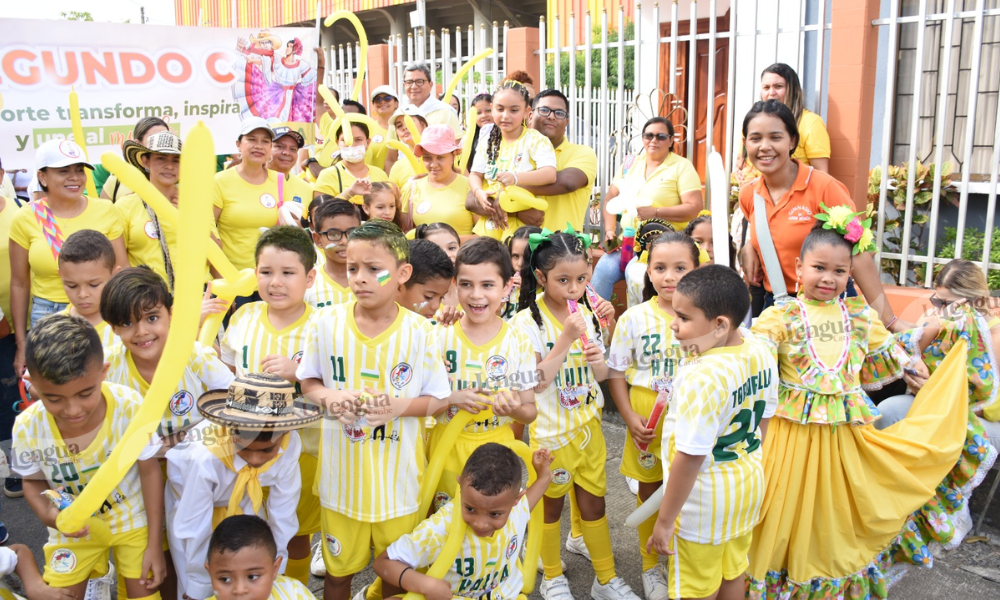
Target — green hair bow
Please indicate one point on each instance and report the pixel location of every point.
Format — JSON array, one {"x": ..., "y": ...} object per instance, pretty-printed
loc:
[{"x": 536, "y": 239}]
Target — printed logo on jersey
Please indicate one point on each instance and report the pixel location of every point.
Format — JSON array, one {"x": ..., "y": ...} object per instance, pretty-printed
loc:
[
  {"x": 496, "y": 367},
  {"x": 561, "y": 477},
  {"x": 512, "y": 547},
  {"x": 800, "y": 213},
  {"x": 354, "y": 433},
  {"x": 441, "y": 499},
  {"x": 63, "y": 561},
  {"x": 268, "y": 201},
  {"x": 150, "y": 229},
  {"x": 181, "y": 403},
  {"x": 333, "y": 545},
  {"x": 647, "y": 460},
  {"x": 401, "y": 375},
  {"x": 569, "y": 397},
  {"x": 297, "y": 357}
]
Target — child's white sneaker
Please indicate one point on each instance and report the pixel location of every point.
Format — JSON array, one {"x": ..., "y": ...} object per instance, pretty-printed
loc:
[
  {"x": 576, "y": 545},
  {"x": 633, "y": 485},
  {"x": 654, "y": 584},
  {"x": 316, "y": 566},
  {"x": 616, "y": 589},
  {"x": 362, "y": 594},
  {"x": 541, "y": 568},
  {"x": 100, "y": 588},
  {"x": 556, "y": 588}
]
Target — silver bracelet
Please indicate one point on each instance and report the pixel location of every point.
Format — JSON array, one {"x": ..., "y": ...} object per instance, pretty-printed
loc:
[{"x": 515, "y": 177}]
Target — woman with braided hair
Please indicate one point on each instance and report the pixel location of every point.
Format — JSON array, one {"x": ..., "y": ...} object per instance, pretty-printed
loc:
[{"x": 508, "y": 153}]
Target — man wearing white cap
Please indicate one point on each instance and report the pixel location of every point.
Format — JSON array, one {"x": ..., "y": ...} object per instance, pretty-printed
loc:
[{"x": 418, "y": 85}]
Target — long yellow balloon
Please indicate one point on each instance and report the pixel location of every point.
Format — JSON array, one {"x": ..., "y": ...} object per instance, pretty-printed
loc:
[
  {"x": 198, "y": 173},
  {"x": 227, "y": 289},
  {"x": 74, "y": 116},
  {"x": 461, "y": 73},
  {"x": 435, "y": 466},
  {"x": 415, "y": 163},
  {"x": 470, "y": 133},
  {"x": 362, "y": 38},
  {"x": 452, "y": 545},
  {"x": 412, "y": 126}
]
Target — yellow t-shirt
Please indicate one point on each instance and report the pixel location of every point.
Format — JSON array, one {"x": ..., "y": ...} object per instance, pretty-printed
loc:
[
  {"x": 39, "y": 447},
  {"x": 674, "y": 177},
  {"x": 439, "y": 205},
  {"x": 109, "y": 188},
  {"x": 486, "y": 227},
  {"x": 719, "y": 400},
  {"x": 814, "y": 141},
  {"x": 286, "y": 588},
  {"x": 245, "y": 209},
  {"x": 325, "y": 291},
  {"x": 401, "y": 172},
  {"x": 6, "y": 218},
  {"x": 372, "y": 474},
  {"x": 298, "y": 190},
  {"x": 572, "y": 207},
  {"x": 25, "y": 231},
  {"x": 329, "y": 183}
]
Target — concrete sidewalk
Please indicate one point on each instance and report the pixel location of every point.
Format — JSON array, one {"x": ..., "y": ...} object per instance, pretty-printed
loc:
[{"x": 970, "y": 571}]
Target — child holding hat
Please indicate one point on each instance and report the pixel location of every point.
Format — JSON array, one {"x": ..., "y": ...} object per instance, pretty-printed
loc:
[{"x": 246, "y": 443}]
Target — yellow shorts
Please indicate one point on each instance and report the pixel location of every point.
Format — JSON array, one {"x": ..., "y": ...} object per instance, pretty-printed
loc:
[
  {"x": 347, "y": 543},
  {"x": 72, "y": 561},
  {"x": 581, "y": 462},
  {"x": 457, "y": 456},
  {"x": 308, "y": 509},
  {"x": 697, "y": 570},
  {"x": 643, "y": 466}
]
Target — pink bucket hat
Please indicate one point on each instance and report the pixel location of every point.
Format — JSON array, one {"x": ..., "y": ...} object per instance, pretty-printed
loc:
[{"x": 437, "y": 139}]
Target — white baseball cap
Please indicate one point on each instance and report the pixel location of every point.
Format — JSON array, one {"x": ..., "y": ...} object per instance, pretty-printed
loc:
[
  {"x": 253, "y": 124},
  {"x": 60, "y": 153},
  {"x": 385, "y": 89}
]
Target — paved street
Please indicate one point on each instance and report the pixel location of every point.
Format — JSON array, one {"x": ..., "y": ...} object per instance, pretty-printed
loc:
[{"x": 971, "y": 571}]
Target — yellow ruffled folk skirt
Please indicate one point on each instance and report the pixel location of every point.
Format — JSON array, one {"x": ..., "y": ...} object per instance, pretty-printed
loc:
[{"x": 844, "y": 502}]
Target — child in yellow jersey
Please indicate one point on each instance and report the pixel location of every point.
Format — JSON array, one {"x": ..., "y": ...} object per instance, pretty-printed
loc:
[
  {"x": 722, "y": 395},
  {"x": 269, "y": 336},
  {"x": 350, "y": 179},
  {"x": 430, "y": 279},
  {"x": 511, "y": 154},
  {"x": 488, "y": 361},
  {"x": 496, "y": 511},
  {"x": 86, "y": 263},
  {"x": 332, "y": 222},
  {"x": 246, "y": 444},
  {"x": 644, "y": 355},
  {"x": 445, "y": 237},
  {"x": 61, "y": 442},
  {"x": 569, "y": 403},
  {"x": 243, "y": 562},
  {"x": 372, "y": 445}
]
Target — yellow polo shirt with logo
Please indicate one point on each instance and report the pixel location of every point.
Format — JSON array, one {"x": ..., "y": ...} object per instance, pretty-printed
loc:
[
  {"x": 246, "y": 208},
  {"x": 571, "y": 208},
  {"x": 439, "y": 205},
  {"x": 329, "y": 183},
  {"x": 673, "y": 178}
]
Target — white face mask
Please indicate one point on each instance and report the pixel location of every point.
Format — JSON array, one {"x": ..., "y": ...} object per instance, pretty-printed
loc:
[{"x": 353, "y": 154}]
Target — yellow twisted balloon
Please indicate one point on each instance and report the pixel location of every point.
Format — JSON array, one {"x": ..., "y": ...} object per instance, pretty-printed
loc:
[
  {"x": 462, "y": 72},
  {"x": 470, "y": 133},
  {"x": 198, "y": 173},
  {"x": 412, "y": 126},
  {"x": 74, "y": 116},
  {"x": 415, "y": 163},
  {"x": 362, "y": 38}
]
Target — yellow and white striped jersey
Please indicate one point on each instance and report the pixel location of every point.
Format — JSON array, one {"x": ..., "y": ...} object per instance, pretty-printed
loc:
[
  {"x": 485, "y": 565},
  {"x": 645, "y": 348},
  {"x": 39, "y": 447},
  {"x": 507, "y": 362},
  {"x": 373, "y": 474},
  {"x": 250, "y": 338},
  {"x": 203, "y": 372},
  {"x": 286, "y": 588},
  {"x": 327, "y": 292},
  {"x": 718, "y": 402},
  {"x": 107, "y": 335},
  {"x": 574, "y": 398}
]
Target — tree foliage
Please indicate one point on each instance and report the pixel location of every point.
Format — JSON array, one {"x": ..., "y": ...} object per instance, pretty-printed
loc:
[{"x": 598, "y": 62}]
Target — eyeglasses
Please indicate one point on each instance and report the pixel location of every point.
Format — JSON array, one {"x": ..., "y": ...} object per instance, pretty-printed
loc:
[
  {"x": 335, "y": 235},
  {"x": 938, "y": 302},
  {"x": 382, "y": 98},
  {"x": 650, "y": 136},
  {"x": 546, "y": 111},
  {"x": 414, "y": 82}
]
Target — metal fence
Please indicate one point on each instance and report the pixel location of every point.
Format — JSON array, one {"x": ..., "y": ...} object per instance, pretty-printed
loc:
[{"x": 344, "y": 62}]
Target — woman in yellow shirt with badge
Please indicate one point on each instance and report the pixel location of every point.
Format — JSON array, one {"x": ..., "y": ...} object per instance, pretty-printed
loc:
[
  {"x": 38, "y": 230},
  {"x": 439, "y": 197},
  {"x": 350, "y": 179}
]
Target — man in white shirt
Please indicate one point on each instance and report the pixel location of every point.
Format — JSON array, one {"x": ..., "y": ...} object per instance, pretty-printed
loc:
[{"x": 418, "y": 85}]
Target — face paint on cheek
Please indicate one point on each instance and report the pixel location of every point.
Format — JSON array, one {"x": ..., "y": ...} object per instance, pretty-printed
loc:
[
  {"x": 383, "y": 277},
  {"x": 332, "y": 246},
  {"x": 419, "y": 306}
]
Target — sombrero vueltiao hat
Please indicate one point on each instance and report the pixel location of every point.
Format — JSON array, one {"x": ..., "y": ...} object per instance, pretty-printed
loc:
[
  {"x": 164, "y": 142},
  {"x": 515, "y": 199},
  {"x": 266, "y": 35},
  {"x": 258, "y": 401}
]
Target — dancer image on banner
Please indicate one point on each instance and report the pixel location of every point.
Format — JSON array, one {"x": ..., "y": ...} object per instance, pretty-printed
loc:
[{"x": 271, "y": 85}]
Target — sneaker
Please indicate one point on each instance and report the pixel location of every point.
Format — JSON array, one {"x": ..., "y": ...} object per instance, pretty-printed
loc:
[
  {"x": 577, "y": 546},
  {"x": 541, "y": 569},
  {"x": 316, "y": 566},
  {"x": 633, "y": 485},
  {"x": 616, "y": 589},
  {"x": 556, "y": 588},
  {"x": 654, "y": 584},
  {"x": 12, "y": 488},
  {"x": 362, "y": 594},
  {"x": 4, "y": 535},
  {"x": 102, "y": 587}
]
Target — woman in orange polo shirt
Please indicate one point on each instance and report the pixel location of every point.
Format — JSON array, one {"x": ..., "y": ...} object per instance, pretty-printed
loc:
[{"x": 791, "y": 193}]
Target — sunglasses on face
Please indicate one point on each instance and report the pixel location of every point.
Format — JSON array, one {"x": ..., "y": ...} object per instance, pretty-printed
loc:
[
  {"x": 546, "y": 111},
  {"x": 335, "y": 235},
  {"x": 382, "y": 98},
  {"x": 650, "y": 136},
  {"x": 938, "y": 303}
]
